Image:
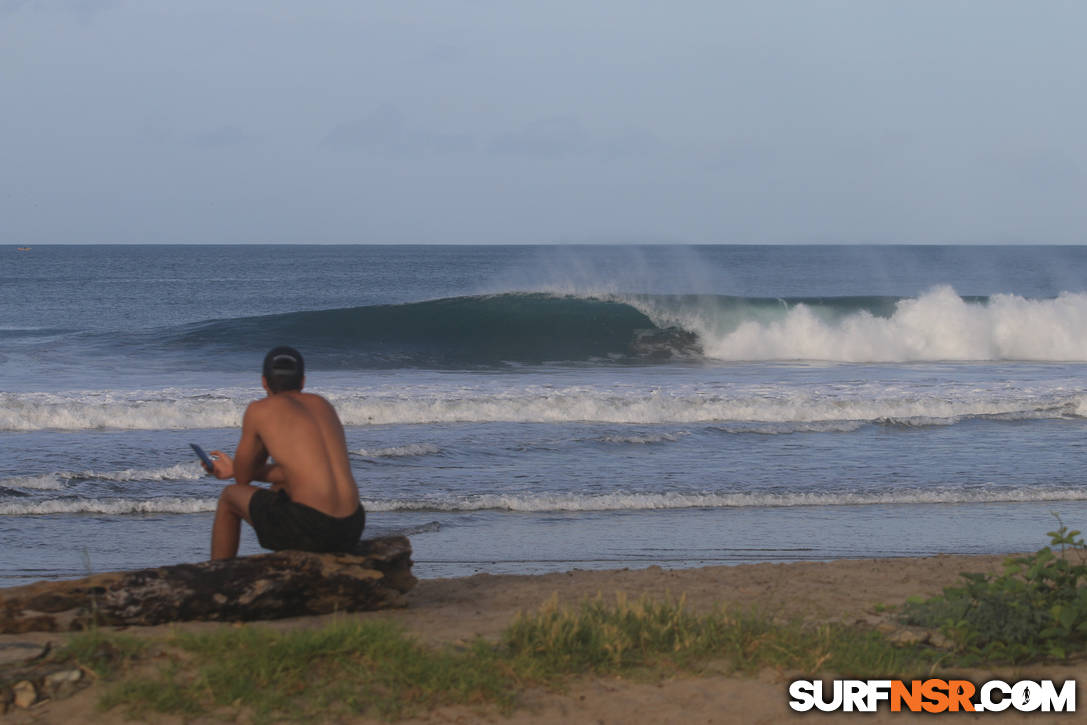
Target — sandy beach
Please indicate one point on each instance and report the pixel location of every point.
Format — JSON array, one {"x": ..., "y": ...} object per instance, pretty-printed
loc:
[{"x": 453, "y": 610}]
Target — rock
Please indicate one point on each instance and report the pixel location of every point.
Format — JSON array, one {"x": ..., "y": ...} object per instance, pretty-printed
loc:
[
  {"x": 59, "y": 685},
  {"x": 908, "y": 637},
  {"x": 266, "y": 586},
  {"x": 936, "y": 639},
  {"x": 25, "y": 694}
]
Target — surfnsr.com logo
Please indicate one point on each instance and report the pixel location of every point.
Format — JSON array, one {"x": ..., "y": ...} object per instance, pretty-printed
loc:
[{"x": 932, "y": 695}]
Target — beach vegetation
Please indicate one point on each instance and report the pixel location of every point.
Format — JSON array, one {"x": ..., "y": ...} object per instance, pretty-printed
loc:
[
  {"x": 613, "y": 637},
  {"x": 369, "y": 666},
  {"x": 373, "y": 666},
  {"x": 1035, "y": 609},
  {"x": 104, "y": 654}
]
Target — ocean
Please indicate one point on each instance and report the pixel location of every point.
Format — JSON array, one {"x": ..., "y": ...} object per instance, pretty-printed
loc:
[{"x": 524, "y": 409}]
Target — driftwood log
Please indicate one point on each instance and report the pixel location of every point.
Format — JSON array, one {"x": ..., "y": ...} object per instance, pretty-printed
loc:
[{"x": 267, "y": 586}]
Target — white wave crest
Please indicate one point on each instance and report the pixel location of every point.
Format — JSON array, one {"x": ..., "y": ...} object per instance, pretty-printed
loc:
[
  {"x": 789, "y": 405},
  {"x": 938, "y": 325},
  {"x": 46, "y": 482},
  {"x": 796, "y": 407},
  {"x": 112, "y": 507},
  {"x": 54, "y": 481},
  {"x": 645, "y": 439},
  {"x": 654, "y": 501},
  {"x": 774, "y": 428},
  {"x": 412, "y": 449},
  {"x": 178, "y": 472},
  {"x": 542, "y": 503},
  {"x": 133, "y": 410}
]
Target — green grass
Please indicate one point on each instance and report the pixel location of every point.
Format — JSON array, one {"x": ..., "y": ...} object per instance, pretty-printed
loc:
[
  {"x": 104, "y": 654},
  {"x": 615, "y": 637},
  {"x": 349, "y": 667},
  {"x": 375, "y": 667}
]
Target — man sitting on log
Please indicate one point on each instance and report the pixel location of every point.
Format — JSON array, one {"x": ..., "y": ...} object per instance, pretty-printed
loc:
[{"x": 313, "y": 504}]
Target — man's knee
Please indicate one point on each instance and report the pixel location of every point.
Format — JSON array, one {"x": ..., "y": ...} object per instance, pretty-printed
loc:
[{"x": 235, "y": 498}]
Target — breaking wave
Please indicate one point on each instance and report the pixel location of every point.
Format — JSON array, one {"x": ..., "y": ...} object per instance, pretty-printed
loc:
[
  {"x": 655, "y": 501},
  {"x": 647, "y": 439},
  {"x": 539, "y": 327},
  {"x": 777, "y": 410},
  {"x": 112, "y": 410},
  {"x": 45, "y": 482},
  {"x": 939, "y": 325},
  {"x": 475, "y": 331},
  {"x": 408, "y": 451},
  {"x": 537, "y": 503},
  {"x": 56, "y": 481},
  {"x": 109, "y": 507}
]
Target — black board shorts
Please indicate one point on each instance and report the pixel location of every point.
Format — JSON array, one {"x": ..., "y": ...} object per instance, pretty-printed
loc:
[{"x": 281, "y": 523}]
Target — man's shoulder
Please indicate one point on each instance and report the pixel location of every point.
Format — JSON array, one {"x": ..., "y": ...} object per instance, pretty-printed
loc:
[
  {"x": 273, "y": 404},
  {"x": 282, "y": 401},
  {"x": 270, "y": 412},
  {"x": 256, "y": 409},
  {"x": 260, "y": 403},
  {"x": 313, "y": 398},
  {"x": 318, "y": 405}
]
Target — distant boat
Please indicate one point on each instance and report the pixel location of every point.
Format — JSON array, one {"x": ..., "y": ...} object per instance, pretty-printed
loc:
[{"x": 22, "y": 249}]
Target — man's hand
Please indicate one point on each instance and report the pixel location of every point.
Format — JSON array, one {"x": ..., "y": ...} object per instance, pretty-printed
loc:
[{"x": 223, "y": 465}]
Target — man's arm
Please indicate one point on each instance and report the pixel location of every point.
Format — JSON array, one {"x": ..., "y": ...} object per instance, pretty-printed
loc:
[
  {"x": 272, "y": 473},
  {"x": 250, "y": 456},
  {"x": 250, "y": 462}
]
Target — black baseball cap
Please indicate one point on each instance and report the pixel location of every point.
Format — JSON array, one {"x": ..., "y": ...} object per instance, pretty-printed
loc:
[{"x": 284, "y": 362}]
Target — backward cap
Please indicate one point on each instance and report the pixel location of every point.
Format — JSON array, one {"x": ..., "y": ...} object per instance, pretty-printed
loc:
[{"x": 283, "y": 361}]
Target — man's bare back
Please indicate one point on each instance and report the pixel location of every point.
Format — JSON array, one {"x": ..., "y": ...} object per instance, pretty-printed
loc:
[
  {"x": 314, "y": 502},
  {"x": 302, "y": 432}
]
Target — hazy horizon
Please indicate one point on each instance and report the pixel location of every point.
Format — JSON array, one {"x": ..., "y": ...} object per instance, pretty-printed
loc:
[
  {"x": 258, "y": 243},
  {"x": 455, "y": 122}
]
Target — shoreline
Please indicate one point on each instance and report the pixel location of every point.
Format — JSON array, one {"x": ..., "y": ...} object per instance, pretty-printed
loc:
[
  {"x": 455, "y": 611},
  {"x": 442, "y": 610},
  {"x": 834, "y": 590}
]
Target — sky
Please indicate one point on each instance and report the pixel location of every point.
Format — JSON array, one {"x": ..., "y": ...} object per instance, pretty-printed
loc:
[{"x": 603, "y": 121}]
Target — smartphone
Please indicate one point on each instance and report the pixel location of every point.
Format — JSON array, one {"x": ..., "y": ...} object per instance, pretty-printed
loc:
[{"x": 208, "y": 463}]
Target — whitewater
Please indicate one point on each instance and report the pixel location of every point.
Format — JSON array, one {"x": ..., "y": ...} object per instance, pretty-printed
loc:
[
  {"x": 527, "y": 408},
  {"x": 788, "y": 408},
  {"x": 937, "y": 325}
]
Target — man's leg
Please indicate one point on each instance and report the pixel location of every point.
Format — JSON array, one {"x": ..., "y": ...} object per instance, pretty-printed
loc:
[{"x": 226, "y": 531}]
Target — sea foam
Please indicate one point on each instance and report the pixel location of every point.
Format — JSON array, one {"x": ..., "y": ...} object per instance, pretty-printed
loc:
[
  {"x": 573, "y": 502},
  {"x": 643, "y": 440},
  {"x": 936, "y": 326},
  {"x": 44, "y": 482},
  {"x": 57, "y": 480},
  {"x": 110, "y": 507},
  {"x": 124, "y": 410},
  {"x": 405, "y": 451},
  {"x": 793, "y": 408}
]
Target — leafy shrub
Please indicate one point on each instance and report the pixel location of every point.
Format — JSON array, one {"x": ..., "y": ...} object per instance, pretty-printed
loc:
[{"x": 1037, "y": 608}]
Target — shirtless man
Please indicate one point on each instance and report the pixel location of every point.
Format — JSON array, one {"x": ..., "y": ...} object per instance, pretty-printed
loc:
[{"x": 313, "y": 504}]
